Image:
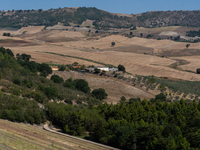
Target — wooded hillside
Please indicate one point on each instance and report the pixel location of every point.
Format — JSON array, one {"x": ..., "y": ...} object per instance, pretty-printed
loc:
[{"x": 22, "y": 18}]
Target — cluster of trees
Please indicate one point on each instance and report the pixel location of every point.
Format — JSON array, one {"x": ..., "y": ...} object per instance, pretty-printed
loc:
[
  {"x": 135, "y": 124},
  {"x": 193, "y": 33},
  {"x": 4, "y": 51},
  {"x": 23, "y": 78},
  {"x": 20, "y": 110},
  {"x": 83, "y": 86},
  {"x": 53, "y": 16},
  {"x": 6, "y": 34},
  {"x": 33, "y": 66}
]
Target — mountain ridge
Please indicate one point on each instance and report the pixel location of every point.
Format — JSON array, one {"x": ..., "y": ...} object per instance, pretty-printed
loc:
[{"x": 103, "y": 19}]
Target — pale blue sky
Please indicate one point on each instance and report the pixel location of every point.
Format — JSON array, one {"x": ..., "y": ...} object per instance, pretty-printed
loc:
[{"x": 115, "y": 6}]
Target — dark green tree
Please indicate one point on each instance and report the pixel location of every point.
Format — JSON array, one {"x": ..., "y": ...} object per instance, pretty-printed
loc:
[
  {"x": 97, "y": 71},
  {"x": 99, "y": 93},
  {"x": 123, "y": 98},
  {"x": 82, "y": 85},
  {"x": 121, "y": 68},
  {"x": 57, "y": 79},
  {"x": 61, "y": 68},
  {"x": 187, "y": 45},
  {"x": 113, "y": 43}
]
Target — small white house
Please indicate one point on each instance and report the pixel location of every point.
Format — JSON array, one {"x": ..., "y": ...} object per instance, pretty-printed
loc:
[
  {"x": 113, "y": 69},
  {"x": 102, "y": 68}
]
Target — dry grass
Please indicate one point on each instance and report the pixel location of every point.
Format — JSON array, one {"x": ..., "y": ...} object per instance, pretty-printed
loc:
[
  {"x": 113, "y": 87},
  {"x": 88, "y": 22},
  {"x": 27, "y": 137},
  {"x": 101, "y": 51}
]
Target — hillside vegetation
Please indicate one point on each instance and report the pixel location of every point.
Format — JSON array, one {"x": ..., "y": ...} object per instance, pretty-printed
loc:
[
  {"x": 131, "y": 124},
  {"x": 23, "y": 18}
]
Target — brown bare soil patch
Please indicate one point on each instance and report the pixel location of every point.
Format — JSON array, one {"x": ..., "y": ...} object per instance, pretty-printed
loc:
[
  {"x": 14, "y": 43},
  {"x": 133, "y": 49},
  {"x": 181, "y": 52}
]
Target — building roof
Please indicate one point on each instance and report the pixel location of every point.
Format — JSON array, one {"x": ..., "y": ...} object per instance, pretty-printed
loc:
[{"x": 76, "y": 67}]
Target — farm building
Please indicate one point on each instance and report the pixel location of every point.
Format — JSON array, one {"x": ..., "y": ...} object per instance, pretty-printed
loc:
[
  {"x": 75, "y": 67},
  {"x": 113, "y": 69},
  {"x": 54, "y": 68},
  {"x": 102, "y": 68}
]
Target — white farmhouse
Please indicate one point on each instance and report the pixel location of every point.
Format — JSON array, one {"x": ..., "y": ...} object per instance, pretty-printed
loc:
[{"x": 102, "y": 68}]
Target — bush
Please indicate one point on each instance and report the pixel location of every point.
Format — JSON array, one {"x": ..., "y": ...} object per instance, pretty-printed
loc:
[
  {"x": 99, "y": 94},
  {"x": 16, "y": 92},
  {"x": 121, "y": 68},
  {"x": 79, "y": 101},
  {"x": 198, "y": 70},
  {"x": 68, "y": 101},
  {"x": 51, "y": 92},
  {"x": 17, "y": 81},
  {"x": 39, "y": 97},
  {"x": 161, "y": 97},
  {"x": 153, "y": 80},
  {"x": 61, "y": 68},
  {"x": 123, "y": 99},
  {"x": 82, "y": 85},
  {"x": 57, "y": 79},
  {"x": 97, "y": 71},
  {"x": 69, "y": 83},
  {"x": 44, "y": 69},
  {"x": 133, "y": 100},
  {"x": 162, "y": 87},
  {"x": 113, "y": 43}
]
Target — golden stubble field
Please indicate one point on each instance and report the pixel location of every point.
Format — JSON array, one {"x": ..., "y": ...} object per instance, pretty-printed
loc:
[{"x": 127, "y": 51}]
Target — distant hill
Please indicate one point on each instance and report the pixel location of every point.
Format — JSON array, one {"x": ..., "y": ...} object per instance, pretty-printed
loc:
[{"x": 102, "y": 19}]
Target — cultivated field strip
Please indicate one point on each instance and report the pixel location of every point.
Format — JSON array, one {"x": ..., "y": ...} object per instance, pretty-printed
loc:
[{"x": 23, "y": 136}]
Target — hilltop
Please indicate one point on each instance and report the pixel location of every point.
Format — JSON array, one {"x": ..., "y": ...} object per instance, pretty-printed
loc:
[{"x": 99, "y": 18}]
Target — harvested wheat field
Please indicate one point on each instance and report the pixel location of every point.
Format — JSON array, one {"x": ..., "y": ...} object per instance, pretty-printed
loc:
[
  {"x": 127, "y": 51},
  {"x": 22, "y": 136},
  {"x": 194, "y": 62},
  {"x": 134, "y": 63}
]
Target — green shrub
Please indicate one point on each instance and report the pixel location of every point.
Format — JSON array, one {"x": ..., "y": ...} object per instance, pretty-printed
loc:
[
  {"x": 57, "y": 79},
  {"x": 123, "y": 98},
  {"x": 99, "y": 94},
  {"x": 79, "y": 101},
  {"x": 39, "y": 97},
  {"x": 82, "y": 85},
  {"x": 16, "y": 80},
  {"x": 68, "y": 101},
  {"x": 51, "y": 92},
  {"x": 16, "y": 91}
]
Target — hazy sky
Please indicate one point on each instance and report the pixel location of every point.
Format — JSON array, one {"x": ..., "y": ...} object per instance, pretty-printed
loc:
[{"x": 115, "y": 6}]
